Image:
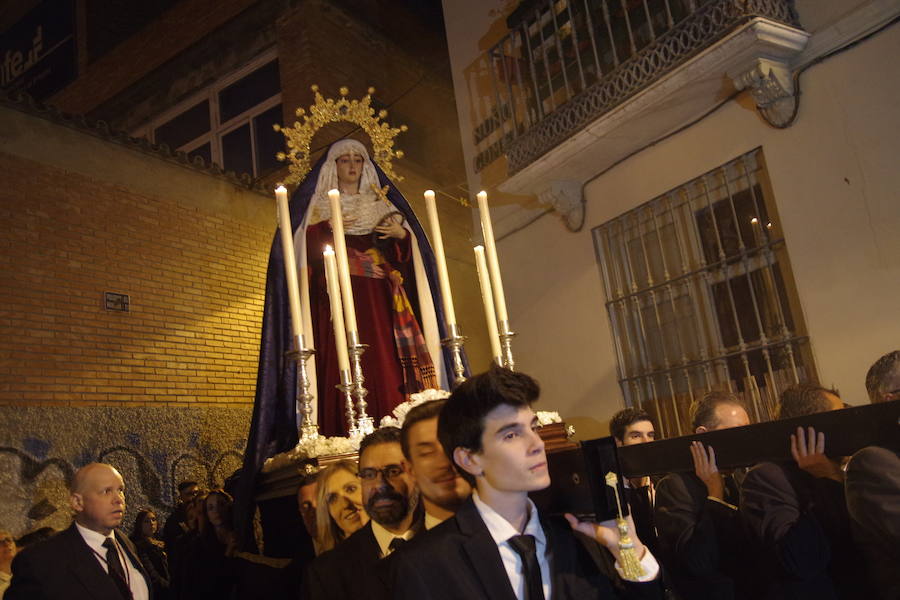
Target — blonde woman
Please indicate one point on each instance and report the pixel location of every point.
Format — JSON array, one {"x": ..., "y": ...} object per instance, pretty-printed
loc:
[{"x": 339, "y": 512}]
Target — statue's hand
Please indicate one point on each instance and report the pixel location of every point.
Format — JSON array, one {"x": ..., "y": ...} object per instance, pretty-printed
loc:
[{"x": 391, "y": 229}]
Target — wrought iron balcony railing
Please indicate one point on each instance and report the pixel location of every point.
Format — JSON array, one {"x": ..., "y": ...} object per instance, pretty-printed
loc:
[{"x": 564, "y": 63}]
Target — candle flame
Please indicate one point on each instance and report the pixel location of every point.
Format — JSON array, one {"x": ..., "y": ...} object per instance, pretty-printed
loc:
[
  {"x": 328, "y": 250},
  {"x": 482, "y": 195},
  {"x": 334, "y": 193},
  {"x": 280, "y": 188},
  {"x": 429, "y": 194},
  {"x": 479, "y": 248}
]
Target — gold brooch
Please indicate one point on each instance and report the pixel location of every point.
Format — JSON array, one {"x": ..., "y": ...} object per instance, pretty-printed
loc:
[{"x": 330, "y": 110}]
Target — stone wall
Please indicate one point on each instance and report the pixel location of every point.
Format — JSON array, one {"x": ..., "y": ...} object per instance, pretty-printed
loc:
[{"x": 153, "y": 447}]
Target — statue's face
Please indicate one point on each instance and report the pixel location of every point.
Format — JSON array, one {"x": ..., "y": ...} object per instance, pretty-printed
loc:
[{"x": 349, "y": 169}]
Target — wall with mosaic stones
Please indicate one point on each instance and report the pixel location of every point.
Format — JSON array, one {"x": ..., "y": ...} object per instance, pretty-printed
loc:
[{"x": 153, "y": 447}]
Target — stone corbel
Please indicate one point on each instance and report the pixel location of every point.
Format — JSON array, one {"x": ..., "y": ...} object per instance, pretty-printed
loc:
[
  {"x": 771, "y": 84},
  {"x": 567, "y": 199}
]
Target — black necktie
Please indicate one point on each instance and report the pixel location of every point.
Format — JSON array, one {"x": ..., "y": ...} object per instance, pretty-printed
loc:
[
  {"x": 396, "y": 544},
  {"x": 116, "y": 571},
  {"x": 525, "y": 546}
]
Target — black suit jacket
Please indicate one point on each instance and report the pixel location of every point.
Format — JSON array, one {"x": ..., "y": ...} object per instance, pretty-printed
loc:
[
  {"x": 63, "y": 567},
  {"x": 873, "y": 501},
  {"x": 801, "y": 530},
  {"x": 352, "y": 570},
  {"x": 459, "y": 559},
  {"x": 702, "y": 543}
]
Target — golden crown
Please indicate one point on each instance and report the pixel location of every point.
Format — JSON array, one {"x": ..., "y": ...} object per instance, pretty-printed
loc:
[{"x": 325, "y": 111}]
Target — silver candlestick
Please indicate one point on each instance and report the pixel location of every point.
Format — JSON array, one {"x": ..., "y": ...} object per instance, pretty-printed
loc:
[
  {"x": 455, "y": 342},
  {"x": 364, "y": 423},
  {"x": 346, "y": 387},
  {"x": 506, "y": 346},
  {"x": 308, "y": 429}
]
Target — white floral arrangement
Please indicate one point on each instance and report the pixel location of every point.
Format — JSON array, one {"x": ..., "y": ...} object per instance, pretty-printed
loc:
[
  {"x": 306, "y": 449},
  {"x": 399, "y": 413},
  {"x": 546, "y": 417},
  {"x": 330, "y": 446}
]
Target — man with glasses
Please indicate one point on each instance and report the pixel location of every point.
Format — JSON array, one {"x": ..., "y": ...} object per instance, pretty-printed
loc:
[{"x": 351, "y": 569}]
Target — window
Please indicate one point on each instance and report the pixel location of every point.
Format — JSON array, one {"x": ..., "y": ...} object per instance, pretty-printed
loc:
[
  {"x": 229, "y": 123},
  {"x": 700, "y": 296}
]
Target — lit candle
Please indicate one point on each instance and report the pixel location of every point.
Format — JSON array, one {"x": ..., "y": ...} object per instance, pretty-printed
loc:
[
  {"x": 337, "y": 313},
  {"x": 438, "y": 242},
  {"x": 290, "y": 261},
  {"x": 487, "y": 231},
  {"x": 343, "y": 267},
  {"x": 488, "y": 299}
]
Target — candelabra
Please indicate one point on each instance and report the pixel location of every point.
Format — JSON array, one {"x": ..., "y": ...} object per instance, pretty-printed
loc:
[
  {"x": 455, "y": 342},
  {"x": 364, "y": 423},
  {"x": 308, "y": 429},
  {"x": 506, "y": 346},
  {"x": 346, "y": 387}
]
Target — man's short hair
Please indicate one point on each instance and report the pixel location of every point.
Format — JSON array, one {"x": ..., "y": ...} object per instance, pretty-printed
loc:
[
  {"x": 804, "y": 399},
  {"x": 422, "y": 412},
  {"x": 383, "y": 435},
  {"x": 878, "y": 374},
  {"x": 703, "y": 412},
  {"x": 625, "y": 417},
  {"x": 309, "y": 478},
  {"x": 185, "y": 485},
  {"x": 461, "y": 422}
]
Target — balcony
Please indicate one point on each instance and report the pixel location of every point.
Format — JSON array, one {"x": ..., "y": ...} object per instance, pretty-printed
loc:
[{"x": 576, "y": 85}]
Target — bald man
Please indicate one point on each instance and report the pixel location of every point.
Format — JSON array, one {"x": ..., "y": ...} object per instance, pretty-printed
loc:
[{"x": 91, "y": 560}]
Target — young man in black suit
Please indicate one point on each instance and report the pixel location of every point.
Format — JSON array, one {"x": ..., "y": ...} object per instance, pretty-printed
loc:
[
  {"x": 91, "y": 560},
  {"x": 353, "y": 569},
  {"x": 632, "y": 426},
  {"x": 497, "y": 546}
]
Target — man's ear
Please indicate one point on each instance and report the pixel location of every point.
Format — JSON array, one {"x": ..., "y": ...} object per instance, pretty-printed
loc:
[
  {"x": 76, "y": 501},
  {"x": 701, "y": 429},
  {"x": 468, "y": 461},
  {"x": 408, "y": 468}
]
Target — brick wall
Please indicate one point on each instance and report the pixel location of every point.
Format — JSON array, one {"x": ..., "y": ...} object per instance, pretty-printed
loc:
[
  {"x": 320, "y": 43},
  {"x": 196, "y": 282}
]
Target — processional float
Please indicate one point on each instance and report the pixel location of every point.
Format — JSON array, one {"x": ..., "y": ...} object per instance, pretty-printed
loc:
[{"x": 349, "y": 345}]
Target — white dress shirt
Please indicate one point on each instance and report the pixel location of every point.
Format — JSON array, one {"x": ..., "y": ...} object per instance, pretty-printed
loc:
[
  {"x": 95, "y": 541},
  {"x": 431, "y": 521},
  {"x": 5, "y": 579},
  {"x": 385, "y": 537},
  {"x": 501, "y": 530}
]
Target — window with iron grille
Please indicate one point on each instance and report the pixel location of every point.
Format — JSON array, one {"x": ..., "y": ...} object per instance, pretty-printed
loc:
[{"x": 700, "y": 296}]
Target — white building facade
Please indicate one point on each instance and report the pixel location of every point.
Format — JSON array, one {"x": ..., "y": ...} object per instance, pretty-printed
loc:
[{"x": 687, "y": 194}]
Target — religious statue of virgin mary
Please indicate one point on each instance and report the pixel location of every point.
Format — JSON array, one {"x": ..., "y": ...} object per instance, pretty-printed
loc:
[
  {"x": 395, "y": 308},
  {"x": 396, "y": 294}
]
